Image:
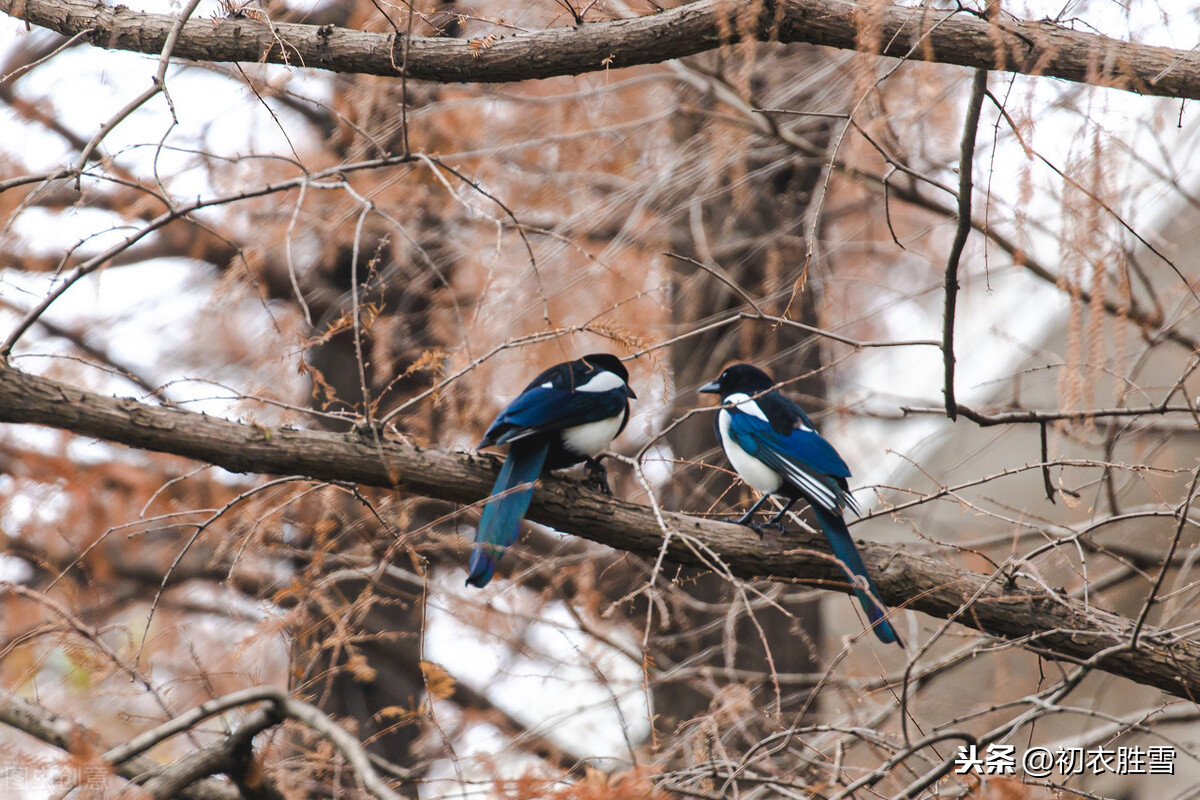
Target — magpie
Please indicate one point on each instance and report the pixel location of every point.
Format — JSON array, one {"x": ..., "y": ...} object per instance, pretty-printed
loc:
[
  {"x": 773, "y": 446},
  {"x": 567, "y": 415}
]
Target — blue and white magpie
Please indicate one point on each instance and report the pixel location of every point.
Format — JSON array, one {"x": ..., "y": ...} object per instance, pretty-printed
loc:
[
  {"x": 773, "y": 446},
  {"x": 568, "y": 414}
]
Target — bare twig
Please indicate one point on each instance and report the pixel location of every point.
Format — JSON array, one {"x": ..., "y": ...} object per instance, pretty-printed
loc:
[
  {"x": 723, "y": 277},
  {"x": 966, "y": 183},
  {"x": 58, "y": 731},
  {"x": 159, "y": 84},
  {"x": 1166, "y": 564},
  {"x": 1040, "y": 417}
]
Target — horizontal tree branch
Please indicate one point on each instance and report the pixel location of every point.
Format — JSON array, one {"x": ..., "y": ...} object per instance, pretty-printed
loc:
[
  {"x": 1045, "y": 622},
  {"x": 985, "y": 419},
  {"x": 952, "y": 37}
]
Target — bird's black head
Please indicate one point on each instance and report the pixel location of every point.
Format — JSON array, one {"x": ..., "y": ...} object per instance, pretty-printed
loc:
[
  {"x": 610, "y": 363},
  {"x": 744, "y": 378}
]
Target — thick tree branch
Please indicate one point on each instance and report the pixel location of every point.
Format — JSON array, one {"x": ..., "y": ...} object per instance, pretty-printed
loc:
[
  {"x": 232, "y": 756},
  {"x": 1048, "y": 623},
  {"x": 953, "y": 37}
]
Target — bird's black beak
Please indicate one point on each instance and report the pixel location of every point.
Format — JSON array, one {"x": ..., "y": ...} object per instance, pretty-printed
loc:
[
  {"x": 629, "y": 392},
  {"x": 710, "y": 388}
]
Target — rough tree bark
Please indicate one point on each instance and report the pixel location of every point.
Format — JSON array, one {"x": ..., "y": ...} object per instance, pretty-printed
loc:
[{"x": 952, "y": 37}]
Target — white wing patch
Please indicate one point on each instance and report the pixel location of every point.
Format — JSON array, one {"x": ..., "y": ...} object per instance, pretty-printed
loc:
[
  {"x": 817, "y": 491},
  {"x": 742, "y": 402},
  {"x": 602, "y": 381}
]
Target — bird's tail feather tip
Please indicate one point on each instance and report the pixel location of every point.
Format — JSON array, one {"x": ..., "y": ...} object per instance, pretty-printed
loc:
[
  {"x": 887, "y": 634},
  {"x": 481, "y": 569},
  {"x": 882, "y": 628}
]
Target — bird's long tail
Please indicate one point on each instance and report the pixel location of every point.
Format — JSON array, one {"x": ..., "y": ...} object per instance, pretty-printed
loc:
[
  {"x": 843, "y": 547},
  {"x": 501, "y": 519}
]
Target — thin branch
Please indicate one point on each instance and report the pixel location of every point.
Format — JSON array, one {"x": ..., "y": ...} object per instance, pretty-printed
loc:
[
  {"x": 1045, "y": 453},
  {"x": 1166, "y": 564},
  {"x": 720, "y": 274},
  {"x": 159, "y": 84},
  {"x": 79, "y": 340},
  {"x": 187, "y": 720},
  {"x": 173, "y": 213},
  {"x": 1151, "y": 322},
  {"x": 351, "y": 748},
  {"x": 175, "y": 778},
  {"x": 1038, "y": 417},
  {"x": 966, "y": 184},
  {"x": 232, "y": 756},
  {"x": 67, "y": 735}
]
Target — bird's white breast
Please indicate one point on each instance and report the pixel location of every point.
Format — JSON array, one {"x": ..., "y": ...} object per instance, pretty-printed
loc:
[
  {"x": 753, "y": 471},
  {"x": 593, "y": 438}
]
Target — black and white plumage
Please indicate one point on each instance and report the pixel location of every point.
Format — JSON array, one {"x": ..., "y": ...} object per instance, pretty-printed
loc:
[
  {"x": 774, "y": 447},
  {"x": 566, "y": 415}
]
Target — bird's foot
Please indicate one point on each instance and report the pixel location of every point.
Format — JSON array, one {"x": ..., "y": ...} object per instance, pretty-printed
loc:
[
  {"x": 759, "y": 527},
  {"x": 596, "y": 477}
]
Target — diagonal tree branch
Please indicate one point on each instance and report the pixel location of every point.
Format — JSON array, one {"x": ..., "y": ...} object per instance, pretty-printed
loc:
[
  {"x": 186, "y": 777},
  {"x": 1046, "y": 622},
  {"x": 53, "y": 729},
  {"x": 953, "y": 37},
  {"x": 232, "y": 756}
]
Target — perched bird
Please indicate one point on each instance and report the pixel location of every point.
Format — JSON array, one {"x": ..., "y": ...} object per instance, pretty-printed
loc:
[
  {"x": 772, "y": 445},
  {"x": 568, "y": 414}
]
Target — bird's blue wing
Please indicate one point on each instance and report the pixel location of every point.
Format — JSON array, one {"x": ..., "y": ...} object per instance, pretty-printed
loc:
[
  {"x": 802, "y": 457},
  {"x": 548, "y": 408},
  {"x": 809, "y": 463}
]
